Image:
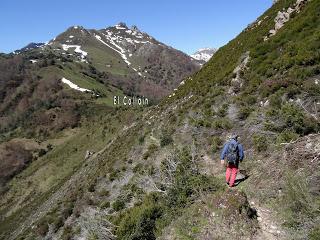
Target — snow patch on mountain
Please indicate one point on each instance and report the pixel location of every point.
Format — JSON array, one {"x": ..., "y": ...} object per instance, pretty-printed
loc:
[
  {"x": 77, "y": 49},
  {"x": 121, "y": 26},
  {"x": 117, "y": 27},
  {"x": 119, "y": 50},
  {"x": 74, "y": 86},
  {"x": 116, "y": 48},
  {"x": 137, "y": 71},
  {"x": 204, "y": 54}
]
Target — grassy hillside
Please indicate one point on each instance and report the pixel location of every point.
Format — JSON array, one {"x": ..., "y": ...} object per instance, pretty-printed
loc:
[{"x": 64, "y": 158}]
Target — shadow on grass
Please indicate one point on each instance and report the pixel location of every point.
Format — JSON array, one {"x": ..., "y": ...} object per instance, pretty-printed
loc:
[{"x": 241, "y": 176}]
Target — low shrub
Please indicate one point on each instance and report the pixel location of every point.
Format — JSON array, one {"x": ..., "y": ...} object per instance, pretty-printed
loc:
[
  {"x": 248, "y": 99},
  {"x": 140, "y": 221},
  {"x": 57, "y": 223},
  {"x": 314, "y": 233},
  {"x": 298, "y": 202},
  {"x": 165, "y": 139},
  {"x": 244, "y": 112},
  {"x": 202, "y": 123},
  {"x": 271, "y": 126},
  {"x": 222, "y": 112},
  {"x": 67, "y": 233},
  {"x": 67, "y": 210},
  {"x": 260, "y": 142},
  {"x": 208, "y": 113},
  {"x": 91, "y": 188},
  {"x": 42, "y": 152},
  {"x": 114, "y": 174},
  {"x": 138, "y": 168},
  {"x": 42, "y": 228},
  {"x": 275, "y": 100},
  {"x": 152, "y": 148},
  {"x": 294, "y": 118},
  {"x": 287, "y": 136},
  {"x": 105, "y": 204},
  {"x": 141, "y": 140},
  {"x": 221, "y": 123},
  {"x": 272, "y": 112},
  {"x": 216, "y": 144},
  {"x": 118, "y": 205}
]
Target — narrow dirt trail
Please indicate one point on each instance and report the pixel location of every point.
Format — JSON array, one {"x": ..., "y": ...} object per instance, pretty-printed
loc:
[{"x": 270, "y": 229}]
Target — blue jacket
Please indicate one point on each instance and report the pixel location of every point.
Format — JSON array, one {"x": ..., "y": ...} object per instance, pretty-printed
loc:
[{"x": 225, "y": 147}]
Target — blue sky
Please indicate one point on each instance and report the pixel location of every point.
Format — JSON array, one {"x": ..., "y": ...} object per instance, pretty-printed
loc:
[{"x": 185, "y": 25}]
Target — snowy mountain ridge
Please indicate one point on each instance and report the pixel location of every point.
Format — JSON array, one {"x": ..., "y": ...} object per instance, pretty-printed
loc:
[
  {"x": 128, "y": 57},
  {"x": 204, "y": 54}
]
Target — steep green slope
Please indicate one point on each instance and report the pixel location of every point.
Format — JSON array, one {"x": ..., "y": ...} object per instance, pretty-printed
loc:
[
  {"x": 280, "y": 71},
  {"x": 51, "y": 171}
]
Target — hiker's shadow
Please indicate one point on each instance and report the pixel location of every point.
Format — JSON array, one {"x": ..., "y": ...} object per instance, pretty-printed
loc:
[{"x": 242, "y": 175}]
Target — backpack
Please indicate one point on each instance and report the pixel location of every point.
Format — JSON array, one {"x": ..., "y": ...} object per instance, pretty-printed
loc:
[{"x": 232, "y": 153}]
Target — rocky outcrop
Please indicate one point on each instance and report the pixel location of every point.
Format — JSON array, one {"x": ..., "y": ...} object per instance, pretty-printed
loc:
[
  {"x": 284, "y": 16},
  {"x": 237, "y": 81},
  {"x": 88, "y": 154}
]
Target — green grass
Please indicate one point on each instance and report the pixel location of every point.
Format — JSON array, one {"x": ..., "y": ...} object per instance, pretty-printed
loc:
[
  {"x": 45, "y": 175},
  {"x": 72, "y": 73},
  {"x": 101, "y": 56},
  {"x": 299, "y": 204}
]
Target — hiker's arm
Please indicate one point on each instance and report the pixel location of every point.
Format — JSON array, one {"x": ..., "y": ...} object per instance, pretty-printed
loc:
[
  {"x": 223, "y": 153},
  {"x": 241, "y": 153}
]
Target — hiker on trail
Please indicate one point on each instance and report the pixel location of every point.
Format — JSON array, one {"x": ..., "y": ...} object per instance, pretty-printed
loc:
[{"x": 233, "y": 153}]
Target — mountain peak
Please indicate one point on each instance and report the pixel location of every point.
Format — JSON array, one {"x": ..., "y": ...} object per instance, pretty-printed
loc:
[
  {"x": 135, "y": 28},
  {"x": 204, "y": 54},
  {"x": 30, "y": 46},
  {"x": 77, "y": 27},
  {"x": 121, "y": 25}
]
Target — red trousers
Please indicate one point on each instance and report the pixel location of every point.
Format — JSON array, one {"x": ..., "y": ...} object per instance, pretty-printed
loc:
[{"x": 231, "y": 174}]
